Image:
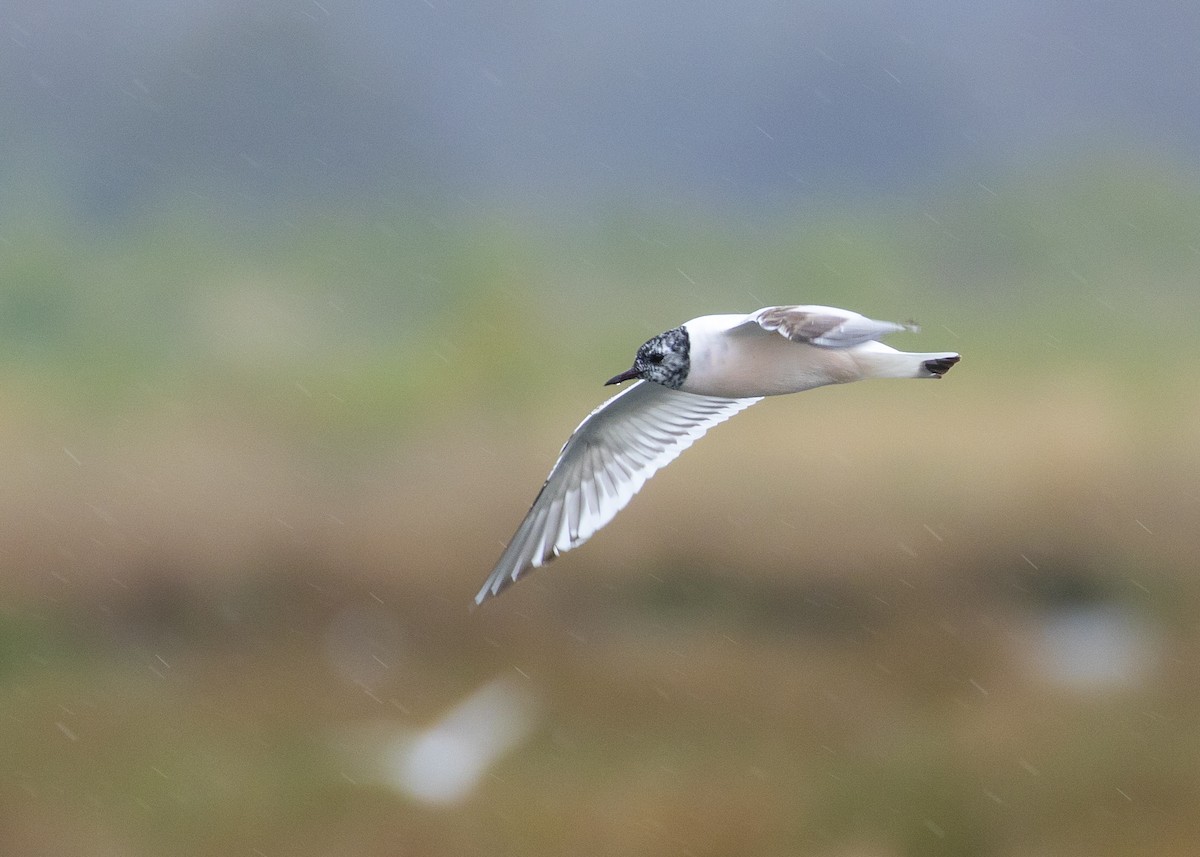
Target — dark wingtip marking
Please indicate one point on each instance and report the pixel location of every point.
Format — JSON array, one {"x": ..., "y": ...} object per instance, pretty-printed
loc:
[{"x": 941, "y": 365}]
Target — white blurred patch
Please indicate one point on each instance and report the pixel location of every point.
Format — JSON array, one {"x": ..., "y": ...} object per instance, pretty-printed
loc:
[
  {"x": 1100, "y": 646},
  {"x": 443, "y": 764}
]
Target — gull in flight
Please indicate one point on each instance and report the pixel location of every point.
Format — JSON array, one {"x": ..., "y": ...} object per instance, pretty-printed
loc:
[{"x": 687, "y": 380}]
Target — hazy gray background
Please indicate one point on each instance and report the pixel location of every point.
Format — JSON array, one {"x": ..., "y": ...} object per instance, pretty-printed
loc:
[{"x": 570, "y": 104}]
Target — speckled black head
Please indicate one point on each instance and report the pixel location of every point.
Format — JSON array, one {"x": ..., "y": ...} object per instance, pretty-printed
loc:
[{"x": 664, "y": 359}]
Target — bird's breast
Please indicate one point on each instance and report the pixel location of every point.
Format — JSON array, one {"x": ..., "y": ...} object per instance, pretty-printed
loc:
[{"x": 760, "y": 364}]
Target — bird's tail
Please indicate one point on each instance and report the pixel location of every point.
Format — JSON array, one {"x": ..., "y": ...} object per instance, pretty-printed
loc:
[
  {"x": 882, "y": 361},
  {"x": 937, "y": 365}
]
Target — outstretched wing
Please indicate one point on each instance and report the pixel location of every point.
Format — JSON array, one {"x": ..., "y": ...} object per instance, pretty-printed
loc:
[
  {"x": 820, "y": 325},
  {"x": 603, "y": 464}
]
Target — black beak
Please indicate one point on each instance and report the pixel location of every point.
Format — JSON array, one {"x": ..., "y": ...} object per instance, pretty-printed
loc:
[{"x": 627, "y": 375}]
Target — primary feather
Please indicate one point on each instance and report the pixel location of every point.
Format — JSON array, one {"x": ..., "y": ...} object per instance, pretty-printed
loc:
[{"x": 605, "y": 462}]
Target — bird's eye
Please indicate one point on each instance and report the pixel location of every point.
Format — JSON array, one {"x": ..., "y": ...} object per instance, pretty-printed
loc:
[{"x": 655, "y": 358}]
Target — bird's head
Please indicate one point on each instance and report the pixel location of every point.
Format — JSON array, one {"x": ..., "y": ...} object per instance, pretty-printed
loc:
[{"x": 663, "y": 359}]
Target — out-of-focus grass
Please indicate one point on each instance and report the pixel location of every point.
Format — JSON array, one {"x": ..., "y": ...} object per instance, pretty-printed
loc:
[
  {"x": 218, "y": 440},
  {"x": 399, "y": 316},
  {"x": 911, "y": 729}
]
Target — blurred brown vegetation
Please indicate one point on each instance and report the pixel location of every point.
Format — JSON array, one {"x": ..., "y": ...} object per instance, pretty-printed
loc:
[{"x": 251, "y": 494}]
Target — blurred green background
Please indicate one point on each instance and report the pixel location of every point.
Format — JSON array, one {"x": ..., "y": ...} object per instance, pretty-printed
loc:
[{"x": 299, "y": 300}]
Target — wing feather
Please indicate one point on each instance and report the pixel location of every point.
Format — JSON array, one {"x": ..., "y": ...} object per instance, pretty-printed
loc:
[
  {"x": 602, "y": 466},
  {"x": 821, "y": 325}
]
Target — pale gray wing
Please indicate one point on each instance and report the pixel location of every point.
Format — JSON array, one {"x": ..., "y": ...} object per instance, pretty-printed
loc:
[
  {"x": 603, "y": 464},
  {"x": 820, "y": 325}
]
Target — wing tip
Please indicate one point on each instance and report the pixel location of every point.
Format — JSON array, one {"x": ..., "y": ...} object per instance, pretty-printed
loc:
[
  {"x": 499, "y": 580},
  {"x": 491, "y": 589}
]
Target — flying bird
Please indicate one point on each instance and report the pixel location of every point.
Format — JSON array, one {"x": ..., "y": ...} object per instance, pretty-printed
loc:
[{"x": 687, "y": 380}]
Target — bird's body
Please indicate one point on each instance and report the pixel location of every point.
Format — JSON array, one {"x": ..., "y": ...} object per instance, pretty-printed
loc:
[
  {"x": 732, "y": 358},
  {"x": 689, "y": 379}
]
